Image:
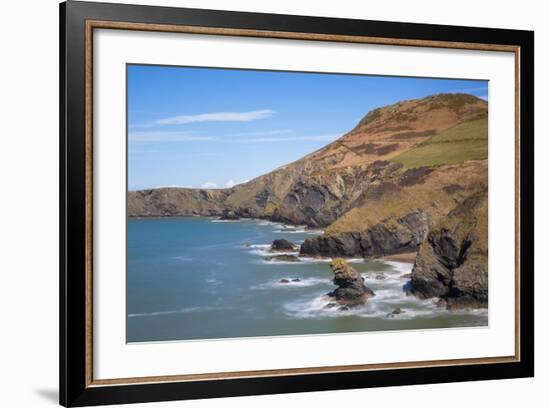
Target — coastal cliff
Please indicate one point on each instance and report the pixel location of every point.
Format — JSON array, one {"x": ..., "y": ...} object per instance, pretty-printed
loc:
[
  {"x": 409, "y": 177},
  {"x": 452, "y": 262}
]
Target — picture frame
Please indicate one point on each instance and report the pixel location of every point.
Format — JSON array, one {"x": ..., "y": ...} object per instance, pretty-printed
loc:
[{"x": 79, "y": 21}]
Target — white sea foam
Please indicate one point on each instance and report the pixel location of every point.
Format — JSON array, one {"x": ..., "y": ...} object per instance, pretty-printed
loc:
[
  {"x": 299, "y": 231},
  {"x": 183, "y": 258},
  {"x": 290, "y": 231},
  {"x": 257, "y": 249},
  {"x": 307, "y": 259},
  {"x": 264, "y": 250},
  {"x": 266, "y": 223},
  {"x": 169, "y": 312},
  {"x": 320, "y": 307},
  {"x": 277, "y": 284},
  {"x": 380, "y": 306},
  {"x": 401, "y": 267}
]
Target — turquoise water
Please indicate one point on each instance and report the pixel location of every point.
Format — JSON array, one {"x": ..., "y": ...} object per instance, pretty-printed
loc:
[{"x": 199, "y": 278}]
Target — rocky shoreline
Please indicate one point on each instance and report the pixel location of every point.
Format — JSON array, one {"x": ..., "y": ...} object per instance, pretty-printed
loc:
[
  {"x": 408, "y": 178},
  {"x": 446, "y": 267}
]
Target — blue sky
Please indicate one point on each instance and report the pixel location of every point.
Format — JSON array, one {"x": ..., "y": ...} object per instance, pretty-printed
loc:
[{"x": 213, "y": 128}]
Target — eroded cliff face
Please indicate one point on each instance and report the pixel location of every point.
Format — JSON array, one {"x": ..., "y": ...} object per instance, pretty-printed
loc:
[
  {"x": 452, "y": 262},
  {"x": 394, "y": 216},
  {"x": 392, "y": 184},
  {"x": 403, "y": 234},
  {"x": 324, "y": 185}
]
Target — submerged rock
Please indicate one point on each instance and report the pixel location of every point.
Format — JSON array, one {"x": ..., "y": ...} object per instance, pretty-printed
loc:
[
  {"x": 395, "y": 312},
  {"x": 280, "y": 245},
  {"x": 283, "y": 258},
  {"x": 287, "y": 280},
  {"x": 351, "y": 290}
]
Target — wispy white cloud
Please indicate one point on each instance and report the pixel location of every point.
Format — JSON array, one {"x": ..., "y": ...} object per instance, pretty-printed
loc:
[
  {"x": 264, "y": 133},
  {"x": 161, "y": 136},
  {"x": 217, "y": 117},
  {"x": 209, "y": 184},
  {"x": 229, "y": 184},
  {"x": 287, "y": 139}
]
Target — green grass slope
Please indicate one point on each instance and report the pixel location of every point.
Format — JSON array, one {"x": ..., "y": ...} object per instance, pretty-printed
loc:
[{"x": 466, "y": 141}]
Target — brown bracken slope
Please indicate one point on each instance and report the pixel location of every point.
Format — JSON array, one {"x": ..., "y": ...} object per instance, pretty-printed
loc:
[{"x": 382, "y": 188}]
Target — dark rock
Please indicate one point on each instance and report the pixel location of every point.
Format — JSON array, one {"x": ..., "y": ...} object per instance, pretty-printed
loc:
[
  {"x": 284, "y": 281},
  {"x": 351, "y": 290},
  {"x": 280, "y": 245},
  {"x": 296, "y": 280},
  {"x": 453, "y": 188},
  {"x": 395, "y": 312},
  {"x": 414, "y": 176},
  {"x": 414, "y": 135},
  {"x": 452, "y": 263},
  {"x": 230, "y": 216},
  {"x": 388, "y": 148},
  {"x": 318, "y": 201},
  {"x": 403, "y": 235},
  {"x": 283, "y": 258}
]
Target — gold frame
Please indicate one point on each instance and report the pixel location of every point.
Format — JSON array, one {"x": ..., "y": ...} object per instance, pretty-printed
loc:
[{"x": 99, "y": 24}]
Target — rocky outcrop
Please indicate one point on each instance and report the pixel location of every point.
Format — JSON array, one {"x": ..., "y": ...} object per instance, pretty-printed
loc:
[
  {"x": 282, "y": 245},
  {"x": 173, "y": 202},
  {"x": 351, "y": 289},
  {"x": 404, "y": 234},
  {"x": 283, "y": 258},
  {"x": 452, "y": 263},
  {"x": 285, "y": 280},
  {"x": 229, "y": 216},
  {"x": 395, "y": 312},
  {"x": 318, "y": 200}
]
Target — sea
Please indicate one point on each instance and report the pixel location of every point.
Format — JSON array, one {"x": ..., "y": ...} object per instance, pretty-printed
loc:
[{"x": 203, "y": 278}]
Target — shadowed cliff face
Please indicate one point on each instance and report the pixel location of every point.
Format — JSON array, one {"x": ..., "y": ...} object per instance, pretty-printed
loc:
[
  {"x": 452, "y": 262},
  {"x": 385, "y": 187}
]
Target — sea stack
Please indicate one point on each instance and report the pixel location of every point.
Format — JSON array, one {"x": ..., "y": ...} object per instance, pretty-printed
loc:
[
  {"x": 351, "y": 290},
  {"x": 283, "y": 245}
]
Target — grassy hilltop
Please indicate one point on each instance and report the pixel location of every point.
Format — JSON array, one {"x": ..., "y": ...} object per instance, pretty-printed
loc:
[{"x": 385, "y": 187}]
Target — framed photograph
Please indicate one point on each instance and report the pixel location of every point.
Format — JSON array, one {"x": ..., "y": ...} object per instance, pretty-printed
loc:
[{"x": 256, "y": 203}]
